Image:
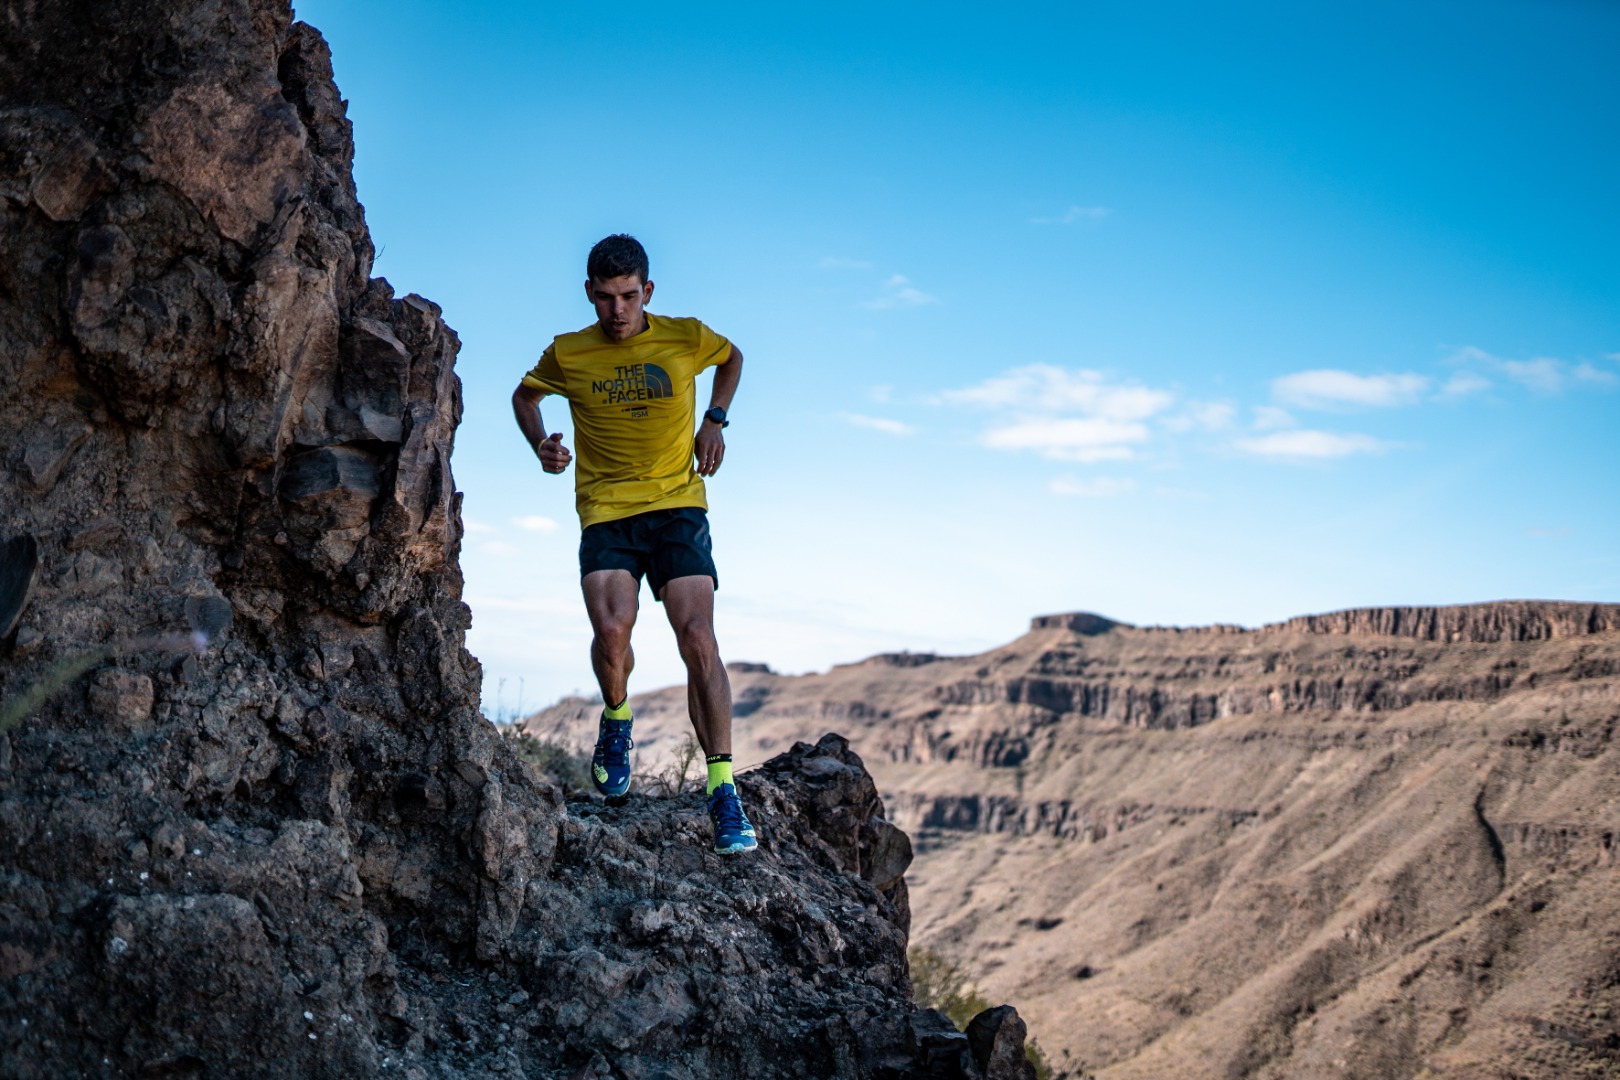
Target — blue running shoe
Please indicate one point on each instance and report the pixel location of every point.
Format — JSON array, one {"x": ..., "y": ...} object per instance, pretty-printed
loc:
[
  {"x": 732, "y": 831},
  {"x": 610, "y": 765}
]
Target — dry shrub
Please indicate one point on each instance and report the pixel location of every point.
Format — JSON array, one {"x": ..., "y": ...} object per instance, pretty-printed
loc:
[{"x": 677, "y": 776}]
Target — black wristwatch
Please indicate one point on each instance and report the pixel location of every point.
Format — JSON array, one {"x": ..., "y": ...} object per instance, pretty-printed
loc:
[{"x": 718, "y": 415}]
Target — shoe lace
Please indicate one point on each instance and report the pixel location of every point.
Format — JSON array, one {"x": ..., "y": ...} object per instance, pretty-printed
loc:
[
  {"x": 616, "y": 743},
  {"x": 727, "y": 810}
]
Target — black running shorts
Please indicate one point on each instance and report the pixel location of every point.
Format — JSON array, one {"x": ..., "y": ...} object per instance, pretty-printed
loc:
[{"x": 662, "y": 544}]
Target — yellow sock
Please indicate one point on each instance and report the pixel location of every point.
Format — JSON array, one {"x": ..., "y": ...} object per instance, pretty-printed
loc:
[
  {"x": 719, "y": 771},
  {"x": 621, "y": 711}
]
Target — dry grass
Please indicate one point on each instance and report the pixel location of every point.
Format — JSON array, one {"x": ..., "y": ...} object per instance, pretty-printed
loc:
[{"x": 677, "y": 774}]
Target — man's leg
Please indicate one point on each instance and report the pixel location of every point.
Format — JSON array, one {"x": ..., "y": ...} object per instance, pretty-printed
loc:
[
  {"x": 689, "y": 602},
  {"x": 611, "y": 601}
]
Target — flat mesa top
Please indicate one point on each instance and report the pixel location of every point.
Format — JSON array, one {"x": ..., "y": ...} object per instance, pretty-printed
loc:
[{"x": 1502, "y": 620}]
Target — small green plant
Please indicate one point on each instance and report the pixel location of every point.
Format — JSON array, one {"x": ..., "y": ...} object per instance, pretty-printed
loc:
[
  {"x": 1033, "y": 1055},
  {"x": 568, "y": 767},
  {"x": 940, "y": 984}
]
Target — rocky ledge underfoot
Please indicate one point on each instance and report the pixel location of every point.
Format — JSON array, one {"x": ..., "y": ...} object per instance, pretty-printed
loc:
[{"x": 217, "y": 948}]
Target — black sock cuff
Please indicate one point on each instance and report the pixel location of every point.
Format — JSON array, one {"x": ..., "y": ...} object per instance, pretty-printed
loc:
[{"x": 715, "y": 759}]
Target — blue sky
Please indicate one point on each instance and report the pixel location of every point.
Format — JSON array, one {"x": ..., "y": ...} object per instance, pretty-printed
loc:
[{"x": 1175, "y": 313}]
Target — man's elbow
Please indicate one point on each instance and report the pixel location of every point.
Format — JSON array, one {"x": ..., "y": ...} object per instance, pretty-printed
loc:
[{"x": 526, "y": 395}]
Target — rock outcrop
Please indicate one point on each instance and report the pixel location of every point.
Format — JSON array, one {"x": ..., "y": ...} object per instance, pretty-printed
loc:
[
  {"x": 1517, "y": 620},
  {"x": 1379, "y": 843},
  {"x": 252, "y": 822}
]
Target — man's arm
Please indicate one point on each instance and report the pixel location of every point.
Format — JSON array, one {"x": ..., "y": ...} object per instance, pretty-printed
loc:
[
  {"x": 554, "y": 456},
  {"x": 710, "y": 445}
]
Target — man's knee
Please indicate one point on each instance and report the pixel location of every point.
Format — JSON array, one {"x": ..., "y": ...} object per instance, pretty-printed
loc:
[
  {"x": 613, "y": 632},
  {"x": 695, "y": 638}
]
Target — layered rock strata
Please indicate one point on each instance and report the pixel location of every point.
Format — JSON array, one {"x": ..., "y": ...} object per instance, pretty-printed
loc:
[
  {"x": 252, "y": 822},
  {"x": 1375, "y": 843}
]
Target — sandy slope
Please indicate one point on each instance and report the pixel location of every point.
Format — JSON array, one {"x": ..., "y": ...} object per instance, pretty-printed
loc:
[{"x": 1380, "y": 845}]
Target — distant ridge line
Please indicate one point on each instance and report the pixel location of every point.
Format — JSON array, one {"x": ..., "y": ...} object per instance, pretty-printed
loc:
[
  {"x": 1502, "y": 620},
  {"x": 1494, "y": 621}
]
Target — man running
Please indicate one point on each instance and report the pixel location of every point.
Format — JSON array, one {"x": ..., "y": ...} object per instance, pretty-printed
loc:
[{"x": 629, "y": 381}]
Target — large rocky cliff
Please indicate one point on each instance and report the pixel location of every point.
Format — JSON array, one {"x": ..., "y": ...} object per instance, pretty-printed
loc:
[
  {"x": 1381, "y": 843},
  {"x": 251, "y": 820}
]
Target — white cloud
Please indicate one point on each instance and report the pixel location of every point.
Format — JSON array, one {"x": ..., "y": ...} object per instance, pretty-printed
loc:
[
  {"x": 1464, "y": 384},
  {"x": 1206, "y": 416},
  {"x": 1307, "y": 445},
  {"x": 499, "y": 549},
  {"x": 877, "y": 423},
  {"x": 1092, "y": 438},
  {"x": 470, "y": 526},
  {"x": 535, "y": 523},
  {"x": 1541, "y": 375},
  {"x": 1064, "y": 415},
  {"x": 1471, "y": 354},
  {"x": 834, "y": 262},
  {"x": 1332, "y": 389},
  {"x": 1100, "y": 487},
  {"x": 1215, "y": 416},
  {"x": 898, "y": 292},
  {"x": 1587, "y": 373},
  {"x": 1544, "y": 375},
  {"x": 1074, "y": 215},
  {"x": 881, "y": 394},
  {"x": 1270, "y": 418},
  {"x": 1044, "y": 388}
]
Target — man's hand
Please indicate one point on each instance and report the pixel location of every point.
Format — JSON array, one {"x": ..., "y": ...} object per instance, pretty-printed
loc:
[
  {"x": 710, "y": 448},
  {"x": 710, "y": 445},
  {"x": 554, "y": 456}
]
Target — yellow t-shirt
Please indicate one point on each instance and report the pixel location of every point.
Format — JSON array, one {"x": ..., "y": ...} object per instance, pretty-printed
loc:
[{"x": 634, "y": 409}]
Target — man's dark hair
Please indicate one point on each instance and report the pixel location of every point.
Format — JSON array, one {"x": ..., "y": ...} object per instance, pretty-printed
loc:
[{"x": 617, "y": 256}]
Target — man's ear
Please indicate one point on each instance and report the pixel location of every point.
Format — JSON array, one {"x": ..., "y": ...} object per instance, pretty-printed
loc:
[
  {"x": 646, "y": 296},
  {"x": 589, "y": 295}
]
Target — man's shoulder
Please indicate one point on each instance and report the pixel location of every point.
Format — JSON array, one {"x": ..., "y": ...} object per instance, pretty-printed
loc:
[
  {"x": 693, "y": 335},
  {"x": 585, "y": 335},
  {"x": 676, "y": 325}
]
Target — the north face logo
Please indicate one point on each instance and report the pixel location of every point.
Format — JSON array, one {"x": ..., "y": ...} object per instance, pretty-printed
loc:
[
  {"x": 659, "y": 384},
  {"x": 635, "y": 382}
]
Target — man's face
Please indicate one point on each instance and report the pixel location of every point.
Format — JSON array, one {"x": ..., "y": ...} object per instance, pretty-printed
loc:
[{"x": 619, "y": 302}]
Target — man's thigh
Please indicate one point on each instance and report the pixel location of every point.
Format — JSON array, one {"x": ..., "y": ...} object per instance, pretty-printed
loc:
[
  {"x": 689, "y": 602},
  {"x": 611, "y": 597}
]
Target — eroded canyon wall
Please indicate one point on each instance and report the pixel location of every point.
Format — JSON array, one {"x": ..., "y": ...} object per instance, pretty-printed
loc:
[{"x": 1381, "y": 843}]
